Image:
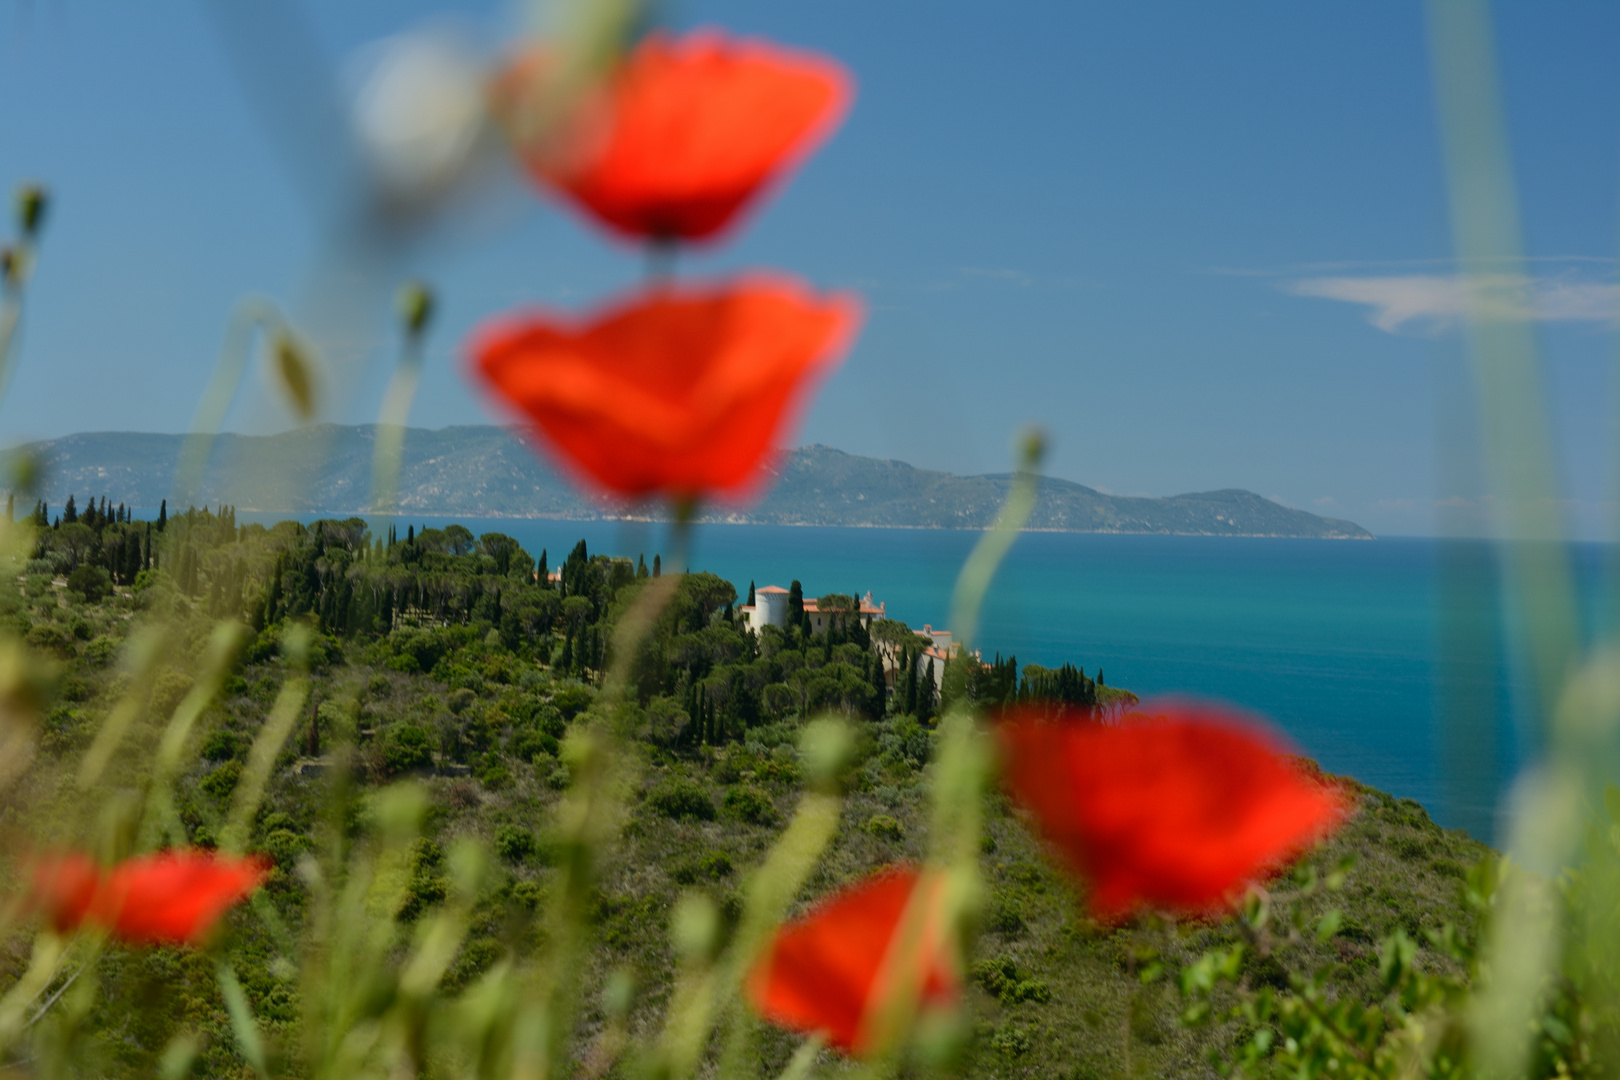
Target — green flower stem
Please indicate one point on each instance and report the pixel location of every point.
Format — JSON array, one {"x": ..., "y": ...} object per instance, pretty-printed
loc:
[
  {"x": 141, "y": 657},
  {"x": 388, "y": 454}
]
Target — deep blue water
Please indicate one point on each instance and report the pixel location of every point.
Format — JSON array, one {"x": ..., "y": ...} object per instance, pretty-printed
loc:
[{"x": 1334, "y": 641}]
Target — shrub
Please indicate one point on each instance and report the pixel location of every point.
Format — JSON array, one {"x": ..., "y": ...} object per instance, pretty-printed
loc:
[
  {"x": 222, "y": 781},
  {"x": 1006, "y": 918},
  {"x": 681, "y": 799},
  {"x": 424, "y": 891},
  {"x": 91, "y": 581},
  {"x": 514, "y": 843},
  {"x": 74, "y": 687},
  {"x": 528, "y": 895},
  {"x": 220, "y": 745},
  {"x": 712, "y": 866},
  {"x": 407, "y": 748},
  {"x": 884, "y": 827},
  {"x": 101, "y": 650},
  {"x": 1012, "y": 1041},
  {"x": 48, "y": 637},
  {"x": 476, "y": 957},
  {"x": 570, "y": 701},
  {"x": 750, "y": 804},
  {"x": 549, "y": 719},
  {"x": 526, "y": 744},
  {"x": 285, "y": 846}
]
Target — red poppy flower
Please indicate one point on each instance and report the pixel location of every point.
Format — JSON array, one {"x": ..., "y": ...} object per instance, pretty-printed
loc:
[
  {"x": 173, "y": 897},
  {"x": 679, "y": 392},
  {"x": 826, "y": 971},
  {"x": 1175, "y": 811},
  {"x": 687, "y": 133}
]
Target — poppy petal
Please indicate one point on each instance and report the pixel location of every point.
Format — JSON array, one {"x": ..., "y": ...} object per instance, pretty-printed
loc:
[
  {"x": 1177, "y": 811},
  {"x": 63, "y": 888},
  {"x": 174, "y": 897},
  {"x": 825, "y": 971},
  {"x": 679, "y": 392},
  {"x": 688, "y": 132}
]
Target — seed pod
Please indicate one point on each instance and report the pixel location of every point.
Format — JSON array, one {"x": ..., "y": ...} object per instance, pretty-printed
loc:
[
  {"x": 295, "y": 369},
  {"x": 415, "y": 308},
  {"x": 31, "y": 204}
]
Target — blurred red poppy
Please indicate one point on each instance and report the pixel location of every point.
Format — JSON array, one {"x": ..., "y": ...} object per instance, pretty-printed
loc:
[
  {"x": 680, "y": 392},
  {"x": 687, "y": 133},
  {"x": 1176, "y": 811},
  {"x": 170, "y": 898},
  {"x": 826, "y": 971}
]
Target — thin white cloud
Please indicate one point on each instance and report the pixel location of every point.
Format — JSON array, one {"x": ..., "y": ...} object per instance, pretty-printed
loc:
[{"x": 1435, "y": 301}]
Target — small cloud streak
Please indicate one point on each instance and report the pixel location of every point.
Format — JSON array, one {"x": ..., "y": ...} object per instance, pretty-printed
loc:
[{"x": 1437, "y": 301}]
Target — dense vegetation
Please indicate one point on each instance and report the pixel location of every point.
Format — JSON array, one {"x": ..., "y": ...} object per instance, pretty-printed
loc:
[{"x": 456, "y": 660}]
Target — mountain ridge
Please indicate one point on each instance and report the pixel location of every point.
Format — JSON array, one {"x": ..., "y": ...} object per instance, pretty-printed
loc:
[{"x": 488, "y": 471}]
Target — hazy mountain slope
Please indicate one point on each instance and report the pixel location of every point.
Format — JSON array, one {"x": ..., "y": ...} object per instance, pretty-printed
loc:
[{"x": 488, "y": 472}]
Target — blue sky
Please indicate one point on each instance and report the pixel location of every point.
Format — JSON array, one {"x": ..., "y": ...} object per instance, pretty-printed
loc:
[{"x": 1204, "y": 245}]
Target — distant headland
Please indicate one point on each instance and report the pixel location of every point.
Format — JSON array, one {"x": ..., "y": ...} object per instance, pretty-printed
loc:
[{"x": 487, "y": 471}]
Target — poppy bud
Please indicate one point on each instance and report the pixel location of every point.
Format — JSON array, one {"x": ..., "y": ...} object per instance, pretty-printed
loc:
[
  {"x": 415, "y": 308},
  {"x": 31, "y": 204},
  {"x": 1031, "y": 447},
  {"x": 296, "y": 370}
]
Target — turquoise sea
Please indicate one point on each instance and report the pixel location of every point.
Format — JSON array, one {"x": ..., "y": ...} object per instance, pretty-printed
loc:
[{"x": 1334, "y": 641}]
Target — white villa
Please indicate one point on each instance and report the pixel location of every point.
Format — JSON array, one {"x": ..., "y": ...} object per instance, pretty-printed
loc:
[{"x": 770, "y": 608}]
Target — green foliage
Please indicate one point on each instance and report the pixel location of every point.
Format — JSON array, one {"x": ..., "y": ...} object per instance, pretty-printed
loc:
[
  {"x": 408, "y": 748},
  {"x": 751, "y": 804},
  {"x": 514, "y": 843},
  {"x": 884, "y": 827},
  {"x": 91, "y": 582},
  {"x": 222, "y": 781},
  {"x": 681, "y": 798}
]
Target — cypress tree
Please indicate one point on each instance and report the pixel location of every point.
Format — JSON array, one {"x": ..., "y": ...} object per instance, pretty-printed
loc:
[
  {"x": 70, "y": 512},
  {"x": 796, "y": 607},
  {"x": 657, "y": 568},
  {"x": 750, "y": 592},
  {"x": 925, "y": 694},
  {"x": 163, "y": 515},
  {"x": 543, "y": 575},
  {"x": 641, "y": 566}
]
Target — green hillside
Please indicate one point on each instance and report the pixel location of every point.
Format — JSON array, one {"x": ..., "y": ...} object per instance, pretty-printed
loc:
[
  {"x": 440, "y": 659},
  {"x": 488, "y": 472}
]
